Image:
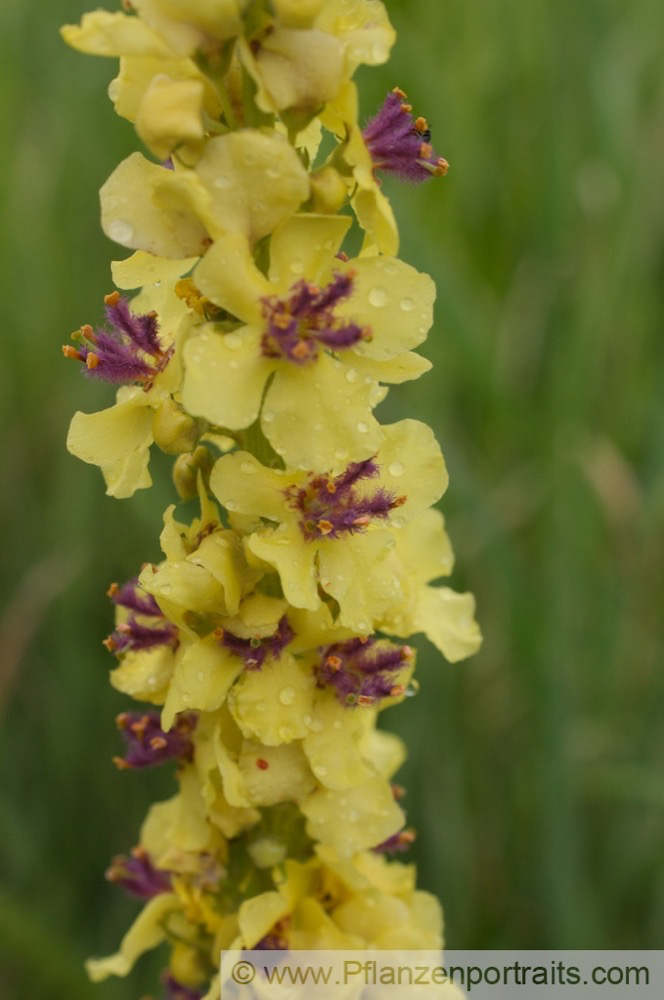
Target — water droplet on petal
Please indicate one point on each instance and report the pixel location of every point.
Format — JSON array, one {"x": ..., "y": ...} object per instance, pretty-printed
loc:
[
  {"x": 377, "y": 296},
  {"x": 268, "y": 416},
  {"x": 286, "y": 733},
  {"x": 362, "y": 427},
  {"x": 233, "y": 364},
  {"x": 221, "y": 182},
  {"x": 273, "y": 172},
  {"x": 406, "y": 304},
  {"x": 287, "y": 695},
  {"x": 352, "y": 375},
  {"x": 353, "y": 816},
  {"x": 185, "y": 696},
  {"x": 120, "y": 231},
  {"x": 362, "y": 627},
  {"x": 165, "y": 588},
  {"x": 200, "y": 676},
  {"x": 397, "y": 469},
  {"x": 232, "y": 341},
  {"x": 248, "y": 467},
  {"x": 320, "y": 770},
  {"x": 337, "y": 724},
  {"x": 296, "y": 266},
  {"x": 231, "y": 505},
  {"x": 152, "y": 683},
  {"x": 261, "y": 706}
]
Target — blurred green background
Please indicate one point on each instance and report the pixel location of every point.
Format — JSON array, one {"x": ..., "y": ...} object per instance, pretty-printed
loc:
[{"x": 535, "y": 775}]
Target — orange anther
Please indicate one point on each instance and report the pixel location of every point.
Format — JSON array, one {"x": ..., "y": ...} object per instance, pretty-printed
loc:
[
  {"x": 333, "y": 662},
  {"x": 71, "y": 352},
  {"x": 399, "y": 92},
  {"x": 158, "y": 743},
  {"x": 91, "y": 361},
  {"x": 112, "y": 298},
  {"x": 421, "y": 124},
  {"x": 325, "y": 527}
]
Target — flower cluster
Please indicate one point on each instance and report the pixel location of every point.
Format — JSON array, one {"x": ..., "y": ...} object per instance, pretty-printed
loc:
[{"x": 264, "y": 644}]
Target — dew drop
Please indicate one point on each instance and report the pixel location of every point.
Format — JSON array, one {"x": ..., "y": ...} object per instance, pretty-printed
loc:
[
  {"x": 231, "y": 505},
  {"x": 261, "y": 706},
  {"x": 233, "y": 364},
  {"x": 397, "y": 469},
  {"x": 406, "y": 304},
  {"x": 391, "y": 269},
  {"x": 398, "y": 522},
  {"x": 286, "y": 733},
  {"x": 316, "y": 726},
  {"x": 377, "y": 296},
  {"x": 362, "y": 627},
  {"x": 185, "y": 696},
  {"x": 287, "y": 695},
  {"x": 165, "y": 588},
  {"x": 268, "y": 416},
  {"x": 329, "y": 244},
  {"x": 320, "y": 770},
  {"x": 337, "y": 724},
  {"x": 221, "y": 182},
  {"x": 296, "y": 266},
  {"x": 273, "y": 172},
  {"x": 379, "y": 52},
  {"x": 353, "y": 815},
  {"x": 306, "y": 720},
  {"x": 232, "y": 341},
  {"x": 248, "y": 468},
  {"x": 152, "y": 683},
  {"x": 120, "y": 231},
  {"x": 352, "y": 375},
  {"x": 200, "y": 676},
  {"x": 362, "y": 427}
]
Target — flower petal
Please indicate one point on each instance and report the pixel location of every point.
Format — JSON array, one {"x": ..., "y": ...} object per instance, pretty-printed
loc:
[
  {"x": 320, "y": 419},
  {"x": 225, "y": 375},
  {"x": 201, "y": 680}
]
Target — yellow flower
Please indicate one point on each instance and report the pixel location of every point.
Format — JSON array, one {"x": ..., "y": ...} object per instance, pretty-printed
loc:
[
  {"x": 326, "y": 330},
  {"x": 119, "y": 438},
  {"x": 245, "y": 182},
  {"x": 373, "y": 210},
  {"x": 423, "y": 553},
  {"x": 301, "y": 62},
  {"x": 325, "y": 531}
]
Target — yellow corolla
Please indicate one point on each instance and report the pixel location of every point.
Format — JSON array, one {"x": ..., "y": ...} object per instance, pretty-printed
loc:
[
  {"x": 335, "y": 532},
  {"x": 323, "y": 332}
]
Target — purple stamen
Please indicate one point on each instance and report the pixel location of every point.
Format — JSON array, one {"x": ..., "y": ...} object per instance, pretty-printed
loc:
[
  {"x": 362, "y": 673},
  {"x": 130, "y": 351},
  {"x": 297, "y": 327},
  {"x": 132, "y": 596},
  {"x": 175, "y": 990},
  {"x": 399, "y": 144},
  {"x": 134, "y": 634},
  {"x": 255, "y": 652},
  {"x": 148, "y": 744},
  {"x": 138, "y": 876},
  {"x": 397, "y": 843},
  {"x": 329, "y": 507}
]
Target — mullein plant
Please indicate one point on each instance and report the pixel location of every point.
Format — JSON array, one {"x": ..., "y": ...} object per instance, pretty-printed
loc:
[{"x": 245, "y": 342}]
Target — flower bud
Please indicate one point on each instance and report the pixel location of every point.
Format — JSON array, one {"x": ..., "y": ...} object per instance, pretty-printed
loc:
[
  {"x": 175, "y": 432},
  {"x": 328, "y": 191},
  {"x": 186, "y": 469}
]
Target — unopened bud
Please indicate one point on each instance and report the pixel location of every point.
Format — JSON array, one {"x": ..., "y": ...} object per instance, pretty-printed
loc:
[
  {"x": 175, "y": 432},
  {"x": 186, "y": 469},
  {"x": 328, "y": 191}
]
